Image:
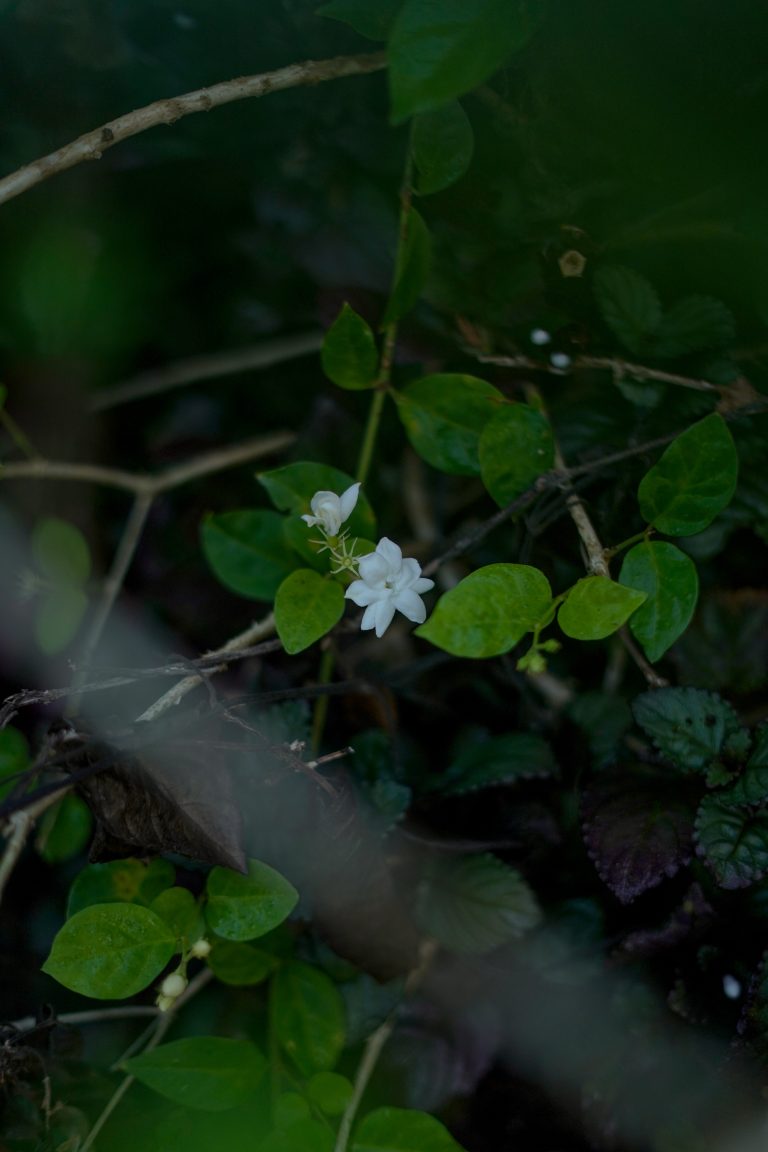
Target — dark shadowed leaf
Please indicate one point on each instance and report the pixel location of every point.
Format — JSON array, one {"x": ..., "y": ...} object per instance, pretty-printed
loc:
[
  {"x": 516, "y": 447},
  {"x": 670, "y": 581},
  {"x": 638, "y": 829},
  {"x": 307, "y": 1015},
  {"x": 693, "y": 481},
  {"x": 442, "y": 145},
  {"x": 629, "y": 305},
  {"x": 733, "y": 841},
  {"x": 247, "y": 551},
  {"x": 692, "y": 917},
  {"x": 688, "y": 725},
  {"x": 371, "y": 18},
  {"x": 443, "y": 417},
  {"x": 412, "y": 269},
  {"x": 495, "y": 760},
  {"x": 120, "y": 881},
  {"x": 692, "y": 324},
  {"x": 212, "y": 1073},
  {"x": 349, "y": 356}
]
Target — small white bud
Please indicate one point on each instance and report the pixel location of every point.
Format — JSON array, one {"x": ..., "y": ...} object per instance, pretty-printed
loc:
[
  {"x": 731, "y": 987},
  {"x": 200, "y": 949},
  {"x": 560, "y": 360},
  {"x": 165, "y": 1002},
  {"x": 540, "y": 336},
  {"x": 173, "y": 985}
]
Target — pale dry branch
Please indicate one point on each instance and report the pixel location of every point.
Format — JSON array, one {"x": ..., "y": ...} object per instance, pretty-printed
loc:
[{"x": 93, "y": 145}]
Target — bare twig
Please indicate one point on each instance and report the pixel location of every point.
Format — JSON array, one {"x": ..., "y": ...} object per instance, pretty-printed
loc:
[
  {"x": 17, "y": 828},
  {"x": 618, "y": 367},
  {"x": 93, "y": 1016},
  {"x": 206, "y": 368},
  {"x": 93, "y": 144}
]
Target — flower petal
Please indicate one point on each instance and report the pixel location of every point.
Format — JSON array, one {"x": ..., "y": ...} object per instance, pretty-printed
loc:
[
  {"x": 384, "y": 611},
  {"x": 422, "y": 585},
  {"x": 348, "y": 500},
  {"x": 373, "y": 568},
  {"x": 390, "y": 554},
  {"x": 369, "y": 618},
  {"x": 362, "y": 594},
  {"x": 411, "y": 606}
]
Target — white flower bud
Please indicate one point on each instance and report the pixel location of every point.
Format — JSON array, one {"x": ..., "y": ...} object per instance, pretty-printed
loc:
[
  {"x": 540, "y": 336},
  {"x": 560, "y": 360},
  {"x": 173, "y": 985},
  {"x": 200, "y": 949},
  {"x": 165, "y": 1002}
]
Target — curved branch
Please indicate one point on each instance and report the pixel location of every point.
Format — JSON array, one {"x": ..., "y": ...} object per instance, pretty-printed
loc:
[{"x": 93, "y": 144}]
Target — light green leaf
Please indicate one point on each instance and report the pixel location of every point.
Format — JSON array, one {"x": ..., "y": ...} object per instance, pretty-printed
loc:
[
  {"x": 402, "y": 1130},
  {"x": 475, "y": 904},
  {"x": 629, "y": 306},
  {"x": 244, "y": 907},
  {"x": 692, "y": 324},
  {"x": 291, "y": 488},
  {"x": 110, "y": 951},
  {"x": 307, "y": 606},
  {"x": 443, "y": 417},
  {"x": 61, "y": 551},
  {"x": 307, "y": 1015},
  {"x": 247, "y": 551},
  {"x": 489, "y": 611},
  {"x": 212, "y": 1073},
  {"x": 671, "y": 583},
  {"x": 596, "y": 607},
  {"x": 303, "y": 1136},
  {"x": 516, "y": 447},
  {"x": 120, "y": 881},
  {"x": 349, "y": 355},
  {"x": 240, "y": 964},
  {"x": 439, "y": 51},
  {"x": 64, "y": 830},
  {"x": 693, "y": 481},
  {"x": 733, "y": 841},
  {"x": 371, "y": 18},
  {"x": 58, "y": 617},
  {"x": 689, "y": 725},
  {"x": 412, "y": 271},
  {"x": 330, "y": 1092},
  {"x": 441, "y": 144},
  {"x": 181, "y": 912}
]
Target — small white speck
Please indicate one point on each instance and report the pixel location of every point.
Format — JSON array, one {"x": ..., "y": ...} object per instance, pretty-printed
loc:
[
  {"x": 731, "y": 987},
  {"x": 540, "y": 336},
  {"x": 560, "y": 360}
]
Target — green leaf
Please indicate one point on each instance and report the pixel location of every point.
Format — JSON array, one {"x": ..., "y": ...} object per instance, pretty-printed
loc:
[
  {"x": 61, "y": 551},
  {"x": 247, "y": 551},
  {"x": 307, "y": 1015},
  {"x": 439, "y": 51},
  {"x": 443, "y": 417},
  {"x": 494, "y": 760},
  {"x": 751, "y": 788},
  {"x": 516, "y": 447},
  {"x": 693, "y": 481},
  {"x": 119, "y": 881},
  {"x": 330, "y": 1092},
  {"x": 489, "y": 611},
  {"x": 349, "y": 355},
  {"x": 475, "y": 904},
  {"x": 596, "y": 607},
  {"x": 14, "y": 757},
  {"x": 110, "y": 951},
  {"x": 629, "y": 306},
  {"x": 307, "y": 606},
  {"x": 304, "y": 1136},
  {"x": 371, "y": 18},
  {"x": 207, "y": 1072},
  {"x": 244, "y": 907},
  {"x": 733, "y": 841},
  {"x": 402, "y": 1130},
  {"x": 64, "y": 830},
  {"x": 442, "y": 144},
  {"x": 59, "y": 616},
  {"x": 240, "y": 964},
  {"x": 181, "y": 912},
  {"x": 689, "y": 725},
  {"x": 291, "y": 488},
  {"x": 671, "y": 583},
  {"x": 412, "y": 270},
  {"x": 692, "y": 324}
]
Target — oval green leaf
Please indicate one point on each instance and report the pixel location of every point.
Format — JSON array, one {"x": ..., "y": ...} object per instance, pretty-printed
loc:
[
  {"x": 61, "y": 551},
  {"x": 244, "y": 907},
  {"x": 402, "y": 1130},
  {"x": 307, "y": 1015},
  {"x": 291, "y": 488},
  {"x": 59, "y": 616},
  {"x": 442, "y": 144},
  {"x": 693, "y": 481},
  {"x": 247, "y": 551},
  {"x": 692, "y": 324},
  {"x": 489, "y": 611},
  {"x": 371, "y": 18},
  {"x": 733, "y": 841},
  {"x": 443, "y": 417},
  {"x": 307, "y": 606},
  {"x": 671, "y": 583},
  {"x": 109, "y": 951},
  {"x": 64, "y": 830},
  {"x": 212, "y": 1073},
  {"x": 629, "y": 305},
  {"x": 119, "y": 881},
  {"x": 240, "y": 964},
  {"x": 596, "y": 607},
  {"x": 412, "y": 270},
  {"x": 439, "y": 52},
  {"x": 516, "y": 447},
  {"x": 181, "y": 912},
  {"x": 349, "y": 356},
  {"x": 330, "y": 1092}
]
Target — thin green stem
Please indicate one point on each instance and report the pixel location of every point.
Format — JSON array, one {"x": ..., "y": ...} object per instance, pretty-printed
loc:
[
  {"x": 638, "y": 538},
  {"x": 371, "y": 432}
]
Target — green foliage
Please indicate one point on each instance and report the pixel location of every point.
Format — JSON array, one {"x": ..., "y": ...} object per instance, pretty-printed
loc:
[
  {"x": 487, "y": 761},
  {"x": 63, "y": 559},
  {"x": 240, "y": 964},
  {"x": 693, "y": 481},
  {"x": 402, "y": 1130},
  {"x": 307, "y": 606},
  {"x": 733, "y": 841},
  {"x": 14, "y": 757},
  {"x": 442, "y": 144},
  {"x": 476, "y": 904},
  {"x": 489, "y": 611},
  {"x": 414, "y": 259},
  {"x": 207, "y": 1072},
  {"x": 349, "y": 354},
  {"x": 597, "y": 607},
  {"x": 432, "y": 61},
  {"x": 689, "y": 726},
  {"x": 181, "y": 912},
  {"x": 371, "y": 18},
  {"x": 247, "y": 551},
  {"x": 119, "y": 881},
  {"x": 307, "y": 1016},
  {"x": 109, "y": 951},
  {"x": 245, "y": 907},
  {"x": 670, "y": 581},
  {"x": 291, "y": 488},
  {"x": 516, "y": 447},
  {"x": 64, "y": 830},
  {"x": 330, "y": 1092},
  {"x": 443, "y": 417}
]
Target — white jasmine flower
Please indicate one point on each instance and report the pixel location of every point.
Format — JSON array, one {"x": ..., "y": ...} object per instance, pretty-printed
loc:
[
  {"x": 540, "y": 336},
  {"x": 330, "y": 511},
  {"x": 388, "y": 583}
]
